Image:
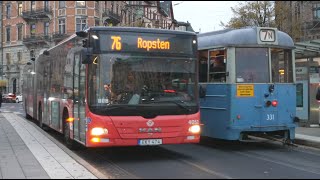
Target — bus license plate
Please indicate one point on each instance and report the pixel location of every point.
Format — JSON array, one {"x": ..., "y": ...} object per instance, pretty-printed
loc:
[{"x": 145, "y": 142}]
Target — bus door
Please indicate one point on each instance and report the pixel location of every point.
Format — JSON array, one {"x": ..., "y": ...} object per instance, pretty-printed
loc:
[{"x": 79, "y": 77}]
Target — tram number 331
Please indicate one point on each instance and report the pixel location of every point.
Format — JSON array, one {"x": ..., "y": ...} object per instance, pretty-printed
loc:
[{"x": 270, "y": 117}]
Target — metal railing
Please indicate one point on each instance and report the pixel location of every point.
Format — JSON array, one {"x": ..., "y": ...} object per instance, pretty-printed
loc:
[
  {"x": 112, "y": 15},
  {"x": 37, "y": 13},
  {"x": 36, "y": 38}
]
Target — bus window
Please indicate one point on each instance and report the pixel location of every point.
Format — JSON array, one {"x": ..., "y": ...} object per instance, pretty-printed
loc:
[
  {"x": 217, "y": 70},
  {"x": 251, "y": 65}
]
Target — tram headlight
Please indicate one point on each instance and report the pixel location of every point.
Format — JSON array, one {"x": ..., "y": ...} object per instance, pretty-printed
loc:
[
  {"x": 98, "y": 131},
  {"x": 195, "y": 129}
]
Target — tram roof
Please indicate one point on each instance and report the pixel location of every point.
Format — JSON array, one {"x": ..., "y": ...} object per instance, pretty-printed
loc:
[
  {"x": 139, "y": 29},
  {"x": 239, "y": 37}
]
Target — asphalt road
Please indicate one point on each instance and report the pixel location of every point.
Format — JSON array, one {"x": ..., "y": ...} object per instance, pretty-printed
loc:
[{"x": 209, "y": 159}]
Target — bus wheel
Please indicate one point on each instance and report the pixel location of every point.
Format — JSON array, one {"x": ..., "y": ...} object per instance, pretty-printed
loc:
[
  {"x": 41, "y": 125},
  {"x": 71, "y": 144},
  {"x": 27, "y": 115}
]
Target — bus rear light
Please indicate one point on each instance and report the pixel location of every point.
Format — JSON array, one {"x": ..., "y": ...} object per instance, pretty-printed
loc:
[
  {"x": 98, "y": 131},
  {"x": 274, "y": 103},
  {"x": 95, "y": 140},
  {"x": 195, "y": 129}
]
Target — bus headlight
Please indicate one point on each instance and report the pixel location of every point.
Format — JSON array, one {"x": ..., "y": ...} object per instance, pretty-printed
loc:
[
  {"x": 98, "y": 131},
  {"x": 194, "y": 129}
]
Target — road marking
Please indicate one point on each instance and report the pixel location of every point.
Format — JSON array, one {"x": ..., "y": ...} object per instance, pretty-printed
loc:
[{"x": 202, "y": 168}]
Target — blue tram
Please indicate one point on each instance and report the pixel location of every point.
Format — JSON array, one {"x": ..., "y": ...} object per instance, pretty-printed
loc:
[{"x": 247, "y": 83}]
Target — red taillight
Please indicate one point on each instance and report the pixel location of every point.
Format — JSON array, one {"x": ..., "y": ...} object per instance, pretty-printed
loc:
[
  {"x": 169, "y": 91},
  {"x": 274, "y": 103}
]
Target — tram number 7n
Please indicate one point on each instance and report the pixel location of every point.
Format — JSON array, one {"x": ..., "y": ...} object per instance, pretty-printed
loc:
[{"x": 270, "y": 117}]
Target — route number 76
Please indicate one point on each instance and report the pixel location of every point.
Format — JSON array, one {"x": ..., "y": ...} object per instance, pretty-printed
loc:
[{"x": 116, "y": 45}]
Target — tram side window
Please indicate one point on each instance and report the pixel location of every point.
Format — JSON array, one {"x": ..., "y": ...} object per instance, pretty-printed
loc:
[
  {"x": 203, "y": 66},
  {"x": 217, "y": 70},
  {"x": 281, "y": 66}
]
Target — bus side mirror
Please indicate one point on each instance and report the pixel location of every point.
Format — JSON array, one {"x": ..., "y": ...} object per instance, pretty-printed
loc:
[
  {"x": 87, "y": 57},
  {"x": 202, "y": 92}
]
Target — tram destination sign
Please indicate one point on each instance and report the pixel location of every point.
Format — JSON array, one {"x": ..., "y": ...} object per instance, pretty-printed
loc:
[
  {"x": 147, "y": 42},
  {"x": 267, "y": 35}
]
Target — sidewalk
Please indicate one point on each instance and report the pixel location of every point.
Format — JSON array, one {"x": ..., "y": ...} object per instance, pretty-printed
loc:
[
  {"x": 309, "y": 136},
  {"x": 25, "y": 153}
]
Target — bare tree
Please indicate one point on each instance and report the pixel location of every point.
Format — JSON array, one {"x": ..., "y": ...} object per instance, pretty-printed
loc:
[{"x": 252, "y": 13}]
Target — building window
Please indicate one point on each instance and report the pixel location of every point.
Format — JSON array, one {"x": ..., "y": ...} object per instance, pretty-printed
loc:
[
  {"x": 32, "y": 29},
  {"x": 20, "y": 8},
  {"x": 8, "y": 11},
  {"x": 112, "y": 4},
  {"x": 46, "y": 5},
  {"x": 316, "y": 11},
  {"x": 62, "y": 26},
  {"x": 96, "y": 22},
  {"x": 62, "y": 4},
  {"x": 80, "y": 24},
  {"x": 19, "y": 32},
  {"x": 8, "y": 58},
  {"x": 8, "y": 33},
  {"x": 19, "y": 55},
  {"x": 46, "y": 28},
  {"x": 96, "y": 5},
  {"x": 80, "y": 4},
  {"x": 33, "y": 5}
]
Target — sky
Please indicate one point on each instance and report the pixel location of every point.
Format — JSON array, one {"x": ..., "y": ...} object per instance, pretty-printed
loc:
[{"x": 204, "y": 16}]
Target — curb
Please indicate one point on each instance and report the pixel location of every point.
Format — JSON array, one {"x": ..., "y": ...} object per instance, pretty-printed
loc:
[
  {"x": 307, "y": 142},
  {"x": 77, "y": 158}
]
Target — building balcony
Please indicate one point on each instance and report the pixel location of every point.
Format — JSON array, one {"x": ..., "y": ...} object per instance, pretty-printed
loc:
[
  {"x": 36, "y": 38},
  {"x": 57, "y": 36},
  {"x": 37, "y": 14},
  {"x": 111, "y": 17}
]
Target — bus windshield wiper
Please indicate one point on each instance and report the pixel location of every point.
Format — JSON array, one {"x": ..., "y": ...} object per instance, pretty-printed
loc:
[{"x": 176, "y": 103}]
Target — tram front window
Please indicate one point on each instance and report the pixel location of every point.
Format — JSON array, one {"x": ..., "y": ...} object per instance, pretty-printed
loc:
[
  {"x": 133, "y": 85},
  {"x": 252, "y": 65}
]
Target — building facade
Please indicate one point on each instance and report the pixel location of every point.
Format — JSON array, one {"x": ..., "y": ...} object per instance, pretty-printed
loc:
[
  {"x": 30, "y": 27},
  {"x": 300, "y": 19}
]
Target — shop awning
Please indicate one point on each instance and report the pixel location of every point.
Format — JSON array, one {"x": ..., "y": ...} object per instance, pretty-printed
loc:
[{"x": 3, "y": 83}]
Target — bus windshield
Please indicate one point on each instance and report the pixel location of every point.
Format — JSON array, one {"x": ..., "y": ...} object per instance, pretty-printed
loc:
[{"x": 137, "y": 85}]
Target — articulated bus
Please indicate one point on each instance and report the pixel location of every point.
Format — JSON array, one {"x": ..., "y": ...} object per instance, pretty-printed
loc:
[
  {"x": 247, "y": 84},
  {"x": 117, "y": 86}
]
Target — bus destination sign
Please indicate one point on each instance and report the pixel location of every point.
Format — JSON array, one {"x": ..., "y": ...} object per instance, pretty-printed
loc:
[{"x": 130, "y": 42}]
